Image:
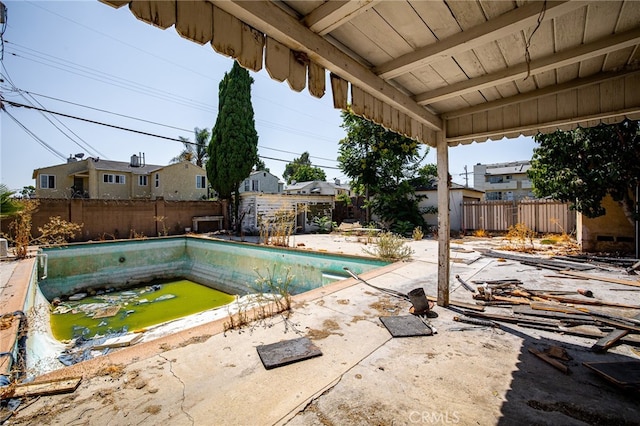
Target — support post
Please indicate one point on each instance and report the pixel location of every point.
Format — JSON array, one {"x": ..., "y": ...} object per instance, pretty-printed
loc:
[{"x": 444, "y": 225}]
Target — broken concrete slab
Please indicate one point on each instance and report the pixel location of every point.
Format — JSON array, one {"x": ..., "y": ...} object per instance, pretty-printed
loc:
[{"x": 287, "y": 352}]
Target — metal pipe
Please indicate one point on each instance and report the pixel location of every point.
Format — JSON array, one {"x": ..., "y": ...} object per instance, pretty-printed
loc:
[{"x": 44, "y": 263}]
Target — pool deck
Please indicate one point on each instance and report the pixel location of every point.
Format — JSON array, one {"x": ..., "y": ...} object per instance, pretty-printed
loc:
[{"x": 202, "y": 376}]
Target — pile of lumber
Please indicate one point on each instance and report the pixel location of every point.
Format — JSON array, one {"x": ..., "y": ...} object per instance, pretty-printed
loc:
[{"x": 565, "y": 312}]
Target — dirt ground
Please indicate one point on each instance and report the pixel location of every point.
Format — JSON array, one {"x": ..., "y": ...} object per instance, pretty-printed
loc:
[{"x": 463, "y": 374}]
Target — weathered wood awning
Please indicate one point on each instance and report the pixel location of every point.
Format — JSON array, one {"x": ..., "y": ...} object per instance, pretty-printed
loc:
[
  {"x": 443, "y": 72},
  {"x": 476, "y": 69}
]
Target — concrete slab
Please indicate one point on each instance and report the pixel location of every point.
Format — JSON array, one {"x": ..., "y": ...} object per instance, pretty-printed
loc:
[{"x": 477, "y": 376}]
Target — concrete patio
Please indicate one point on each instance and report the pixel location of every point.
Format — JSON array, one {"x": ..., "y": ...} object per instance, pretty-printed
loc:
[{"x": 461, "y": 375}]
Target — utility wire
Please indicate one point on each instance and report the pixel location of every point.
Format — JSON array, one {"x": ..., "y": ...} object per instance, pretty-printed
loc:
[
  {"x": 87, "y": 146},
  {"x": 37, "y": 139},
  {"x": 154, "y": 122},
  {"x": 17, "y": 104}
]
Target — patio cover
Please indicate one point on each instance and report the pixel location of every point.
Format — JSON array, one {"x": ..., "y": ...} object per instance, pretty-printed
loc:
[{"x": 442, "y": 72}]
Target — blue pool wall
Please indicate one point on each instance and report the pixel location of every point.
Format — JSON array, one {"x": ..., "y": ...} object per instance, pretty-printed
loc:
[{"x": 224, "y": 265}]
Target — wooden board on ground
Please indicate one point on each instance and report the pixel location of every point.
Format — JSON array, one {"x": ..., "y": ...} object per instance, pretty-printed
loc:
[
  {"x": 459, "y": 304},
  {"x": 52, "y": 387},
  {"x": 610, "y": 339},
  {"x": 119, "y": 342},
  {"x": 600, "y": 278},
  {"x": 625, "y": 374}
]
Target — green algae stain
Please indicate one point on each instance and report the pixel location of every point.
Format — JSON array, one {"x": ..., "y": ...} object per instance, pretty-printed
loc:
[{"x": 136, "y": 308}]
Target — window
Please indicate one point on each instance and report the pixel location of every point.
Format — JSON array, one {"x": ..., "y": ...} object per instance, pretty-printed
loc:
[
  {"x": 255, "y": 185},
  {"x": 246, "y": 185},
  {"x": 495, "y": 179},
  {"x": 47, "y": 182},
  {"x": 109, "y": 178},
  {"x": 157, "y": 178},
  {"x": 143, "y": 180},
  {"x": 201, "y": 182}
]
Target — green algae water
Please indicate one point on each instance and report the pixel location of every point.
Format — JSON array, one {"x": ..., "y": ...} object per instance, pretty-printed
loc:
[{"x": 133, "y": 309}]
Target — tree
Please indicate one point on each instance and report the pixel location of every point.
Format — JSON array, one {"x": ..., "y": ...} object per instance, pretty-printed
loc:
[
  {"x": 582, "y": 166},
  {"x": 233, "y": 150},
  {"x": 9, "y": 206},
  {"x": 385, "y": 165},
  {"x": 260, "y": 166},
  {"x": 194, "y": 152},
  {"x": 301, "y": 170}
]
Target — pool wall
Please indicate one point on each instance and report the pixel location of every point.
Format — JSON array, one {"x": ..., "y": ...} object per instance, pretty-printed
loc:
[{"x": 224, "y": 265}]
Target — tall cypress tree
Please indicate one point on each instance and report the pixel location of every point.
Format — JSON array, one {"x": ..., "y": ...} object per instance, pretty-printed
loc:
[{"x": 233, "y": 150}]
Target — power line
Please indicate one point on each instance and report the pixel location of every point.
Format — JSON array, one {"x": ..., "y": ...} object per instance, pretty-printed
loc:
[
  {"x": 17, "y": 104},
  {"x": 153, "y": 122},
  {"x": 33, "y": 135}
]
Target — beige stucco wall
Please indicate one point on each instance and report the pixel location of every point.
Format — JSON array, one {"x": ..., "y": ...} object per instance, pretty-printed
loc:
[
  {"x": 178, "y": 182},
  {"x": 64, "y": 180},
  {"x": 608, "y": 233}
]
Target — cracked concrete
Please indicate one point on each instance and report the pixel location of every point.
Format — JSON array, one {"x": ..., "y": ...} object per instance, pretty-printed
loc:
[{"x": 478, "y": 376}]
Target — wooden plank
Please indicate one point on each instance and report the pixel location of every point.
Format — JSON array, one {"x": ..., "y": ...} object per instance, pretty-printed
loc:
[
  {"x": 161, "y": 14},
  {"x": 553, "y": 362},
  {"x": 227, "y": 33},
  {"x": 339, "y": 89},
  {"x": 600, "y": 278},
  {"x": 277, "y": 60},
  {"x": 297, "y": 78},
  {"x": 443, "y": 220},
  {"x": 316, "y": 82},
  {"x": 194, "y": 21},
  {"x": 459, "y": 304},
  {"x": 251, "y": 55},
  {"x": 609, "y": 340},
  {"x": 357, "y": 100},
  {"x": 52, "y": 387}
]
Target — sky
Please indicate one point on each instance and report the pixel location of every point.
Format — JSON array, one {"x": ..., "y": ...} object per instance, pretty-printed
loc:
[{"x": 89, "y": 60}]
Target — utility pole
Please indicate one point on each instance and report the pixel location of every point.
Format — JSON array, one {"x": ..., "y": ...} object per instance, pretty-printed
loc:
[{"x": 466, "y": 176}]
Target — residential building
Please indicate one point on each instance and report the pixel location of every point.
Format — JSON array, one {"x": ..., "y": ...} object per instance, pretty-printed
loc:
[
  {"x": 318, "y": 187},
  {"x": 503, "y": 181},
  {"x": 263, "y": 182},
  {"x": 95, "y": 178}
]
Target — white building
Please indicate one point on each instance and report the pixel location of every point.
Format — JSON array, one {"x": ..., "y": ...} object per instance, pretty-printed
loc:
[{"x": 503, "y": 181}]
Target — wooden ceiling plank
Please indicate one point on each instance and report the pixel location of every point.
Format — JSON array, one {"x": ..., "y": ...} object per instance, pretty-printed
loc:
[
  {"x": 618, "y": 59},
  {"x": 317, "y": 80},
  {"x": 567, "y": 57},
  {"x": 252, "y": 52},
  {"x": 335, "y": 13},
  {"x": 406, "y": 22},
  {"x": 588, "y": 100},
  {"x": 158, "y": 14},
  {"x": 227, "y": 33},
  {"x": 270, "y": 19},
  {"x": 479, "y": 35},
  {"x": 194, "y": 21},
  {"x": 277, "y": 57},
  {"x": 595, "y": 79},
  {"x": 612, "y": 95},
  {"x": 632, "y": 94}
]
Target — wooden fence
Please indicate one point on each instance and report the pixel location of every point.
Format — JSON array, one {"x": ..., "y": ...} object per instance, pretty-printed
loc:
[{"x": 544, "y": 216}]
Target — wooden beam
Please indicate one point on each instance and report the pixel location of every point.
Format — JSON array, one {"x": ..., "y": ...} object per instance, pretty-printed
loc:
[
  {"x": 505, "y": 24},
  {"x": 443, "y": 219},
  {"x": 276, "y": 23},
  {"x": 608, "y": 44},
  {"x": 334, "y": 13}
]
